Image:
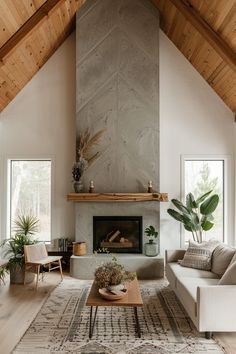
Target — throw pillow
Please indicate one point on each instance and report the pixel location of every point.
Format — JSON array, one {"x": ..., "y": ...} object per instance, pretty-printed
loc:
[
  {"x": 221, "y": 258},
  {"x": 229, "y": 278},
  {"x": 233, "y": 259},
  {"x": 198, "y": 255}
]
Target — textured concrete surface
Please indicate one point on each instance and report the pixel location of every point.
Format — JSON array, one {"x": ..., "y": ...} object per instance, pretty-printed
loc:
[
  {"x": 145, "y": 267},
  {"x": 117, "y": 89},
  {"x": 85, "y": 212}
]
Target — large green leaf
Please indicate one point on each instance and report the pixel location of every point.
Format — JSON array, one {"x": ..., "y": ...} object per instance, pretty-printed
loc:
[
  {"x": 187, "y": 218},
  {"x": 195, "y": 218},
  {"x": 179, "y": 205},
  {"x": 188, "y": 227},
  {"x": 209, "y": 205},
  {"x": 203, "y": 197},
  {"x": 190, "y": 201},
  {"x": 207, "y": 225},
  {"x": 175, "y": 214},
  {"x": 207, "y": 218}
]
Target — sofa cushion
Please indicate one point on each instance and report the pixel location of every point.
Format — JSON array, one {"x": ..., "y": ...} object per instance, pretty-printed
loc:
[
  {"x": 229, "y": 277},
  {"x": 198, "y": 255},
  {"x": 221, "y": 258},
  {"x": 179, "y": 271},
  {"x": 187, "y": 292}
]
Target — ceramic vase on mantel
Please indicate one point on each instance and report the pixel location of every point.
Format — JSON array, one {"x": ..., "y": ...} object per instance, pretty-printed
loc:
[
  {"x": 151, "y": 249},
  {"x": 78, "y": 187}
]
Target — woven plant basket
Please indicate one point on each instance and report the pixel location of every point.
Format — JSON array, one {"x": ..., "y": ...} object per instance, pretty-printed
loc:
[{"x": 79, "y": 248}]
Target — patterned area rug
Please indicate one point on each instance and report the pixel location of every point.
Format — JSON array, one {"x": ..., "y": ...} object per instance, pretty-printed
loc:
[{"x": 62, "y": 325}]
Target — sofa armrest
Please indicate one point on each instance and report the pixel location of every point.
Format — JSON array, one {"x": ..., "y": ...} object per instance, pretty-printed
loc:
[
  {"x": 216, "y": 308},
  {"x": 174, "y": 255}
]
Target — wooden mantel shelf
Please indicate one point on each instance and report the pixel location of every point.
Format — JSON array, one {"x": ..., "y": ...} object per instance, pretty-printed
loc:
[{"x": 117, "y": 197}]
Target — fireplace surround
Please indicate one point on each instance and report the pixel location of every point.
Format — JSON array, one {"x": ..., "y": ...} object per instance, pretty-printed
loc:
[
  {"x": 117, "y": 80},
  {"x": 119, "y": 234}
]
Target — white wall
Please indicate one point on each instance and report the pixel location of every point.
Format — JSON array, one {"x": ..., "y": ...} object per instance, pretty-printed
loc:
[
  {"x": 40, "y": 122},
  {"x": 193, "y": 121}
]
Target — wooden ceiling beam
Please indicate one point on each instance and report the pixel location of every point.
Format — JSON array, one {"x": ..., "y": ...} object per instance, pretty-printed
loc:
[
  {"x": 220, "y": 46},
  {"x": 40, "y": 15}
]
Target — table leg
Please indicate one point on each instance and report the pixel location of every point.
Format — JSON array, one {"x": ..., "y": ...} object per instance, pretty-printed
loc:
[
  {"x": 92, "y": 321},
  {"x": 137, "y": 322}
]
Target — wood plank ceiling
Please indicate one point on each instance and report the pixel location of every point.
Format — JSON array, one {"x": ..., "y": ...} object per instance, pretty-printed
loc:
[
  {"x": 203, "y": 30},
  {"x": 30, "y": 32},
  {"x": 215, "y": 60}
]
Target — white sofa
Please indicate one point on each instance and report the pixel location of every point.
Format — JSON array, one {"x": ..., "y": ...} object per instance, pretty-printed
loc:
[{"x": 211, "y": 307}]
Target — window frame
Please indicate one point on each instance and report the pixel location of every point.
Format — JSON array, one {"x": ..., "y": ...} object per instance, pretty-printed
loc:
[
  {"x": 7, "y": 183},
  {"x": 228, "y": 204}
]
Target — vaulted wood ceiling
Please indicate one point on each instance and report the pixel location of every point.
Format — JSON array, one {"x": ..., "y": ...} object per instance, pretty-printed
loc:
[{"x": 203, "y": 30}]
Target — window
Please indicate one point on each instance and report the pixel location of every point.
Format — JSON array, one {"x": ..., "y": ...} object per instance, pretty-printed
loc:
[
  {"x": 30, "y": 193},
  {"x": 201, "y": 176}
]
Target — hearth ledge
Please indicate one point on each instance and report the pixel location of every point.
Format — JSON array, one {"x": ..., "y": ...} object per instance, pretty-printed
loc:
[{"x": 83, "y": 267}]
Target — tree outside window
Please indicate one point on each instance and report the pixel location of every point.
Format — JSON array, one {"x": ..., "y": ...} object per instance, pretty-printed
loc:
[{"x": 30, "y": 193}]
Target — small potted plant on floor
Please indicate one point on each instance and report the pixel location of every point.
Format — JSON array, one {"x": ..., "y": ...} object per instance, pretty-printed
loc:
[
  {"x": 13, "y": 248},
  {"x": 151, "y": 248}
]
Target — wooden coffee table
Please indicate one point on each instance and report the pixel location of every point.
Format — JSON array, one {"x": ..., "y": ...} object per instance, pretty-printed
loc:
[{"x": 131, "y": 299}]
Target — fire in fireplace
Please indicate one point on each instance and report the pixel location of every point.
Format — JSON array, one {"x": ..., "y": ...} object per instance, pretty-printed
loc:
[{"x": 118, "y": 234}]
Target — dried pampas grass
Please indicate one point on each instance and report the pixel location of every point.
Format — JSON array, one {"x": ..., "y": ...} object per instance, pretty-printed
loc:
[{"x": 85, "y": 143}]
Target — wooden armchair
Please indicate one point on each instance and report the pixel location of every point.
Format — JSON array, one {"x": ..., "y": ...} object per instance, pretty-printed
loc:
[{"x": 36, "y": 256}]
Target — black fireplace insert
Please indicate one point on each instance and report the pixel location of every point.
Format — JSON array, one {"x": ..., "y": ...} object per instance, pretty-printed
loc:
[{"x": 118, "y": 234}]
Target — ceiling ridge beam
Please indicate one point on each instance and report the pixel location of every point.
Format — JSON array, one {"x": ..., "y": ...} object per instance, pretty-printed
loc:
[
  {"x": 25, "y": 30},
  {"x": 220, "y": 46}
]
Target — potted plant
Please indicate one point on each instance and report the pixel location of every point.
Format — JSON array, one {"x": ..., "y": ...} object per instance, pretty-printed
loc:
[
  {"x": 25, "y": 228},
  {"x": 196, "y": 215},
  {"x": 3, "y": 273},
  {"x": 151, "y": 248},
  {"x": 112, "y": 276},
  {"x": 84, "y": 156}
]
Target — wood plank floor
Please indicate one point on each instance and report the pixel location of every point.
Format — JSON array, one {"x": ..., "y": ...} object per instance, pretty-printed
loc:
[{"x": 19, "y": 305}]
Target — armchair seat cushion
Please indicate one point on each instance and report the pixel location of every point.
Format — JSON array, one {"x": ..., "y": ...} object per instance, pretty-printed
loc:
[{"x": 46, "y": 260}]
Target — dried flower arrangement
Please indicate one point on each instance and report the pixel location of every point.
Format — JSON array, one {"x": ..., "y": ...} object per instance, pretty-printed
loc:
[
  {"x": 112, "y": 273},
  {"x": 84, "y": 155},
  {"x": 85, "y": 143}
]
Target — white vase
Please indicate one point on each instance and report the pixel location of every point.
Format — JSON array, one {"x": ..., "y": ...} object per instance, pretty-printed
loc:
[{"x": 151, "y": 249}]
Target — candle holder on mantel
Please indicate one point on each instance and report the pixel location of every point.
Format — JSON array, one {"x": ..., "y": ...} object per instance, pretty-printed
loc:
[
  {"x": 91, "y": 187},
  {"x": 150, "y": 188}
]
